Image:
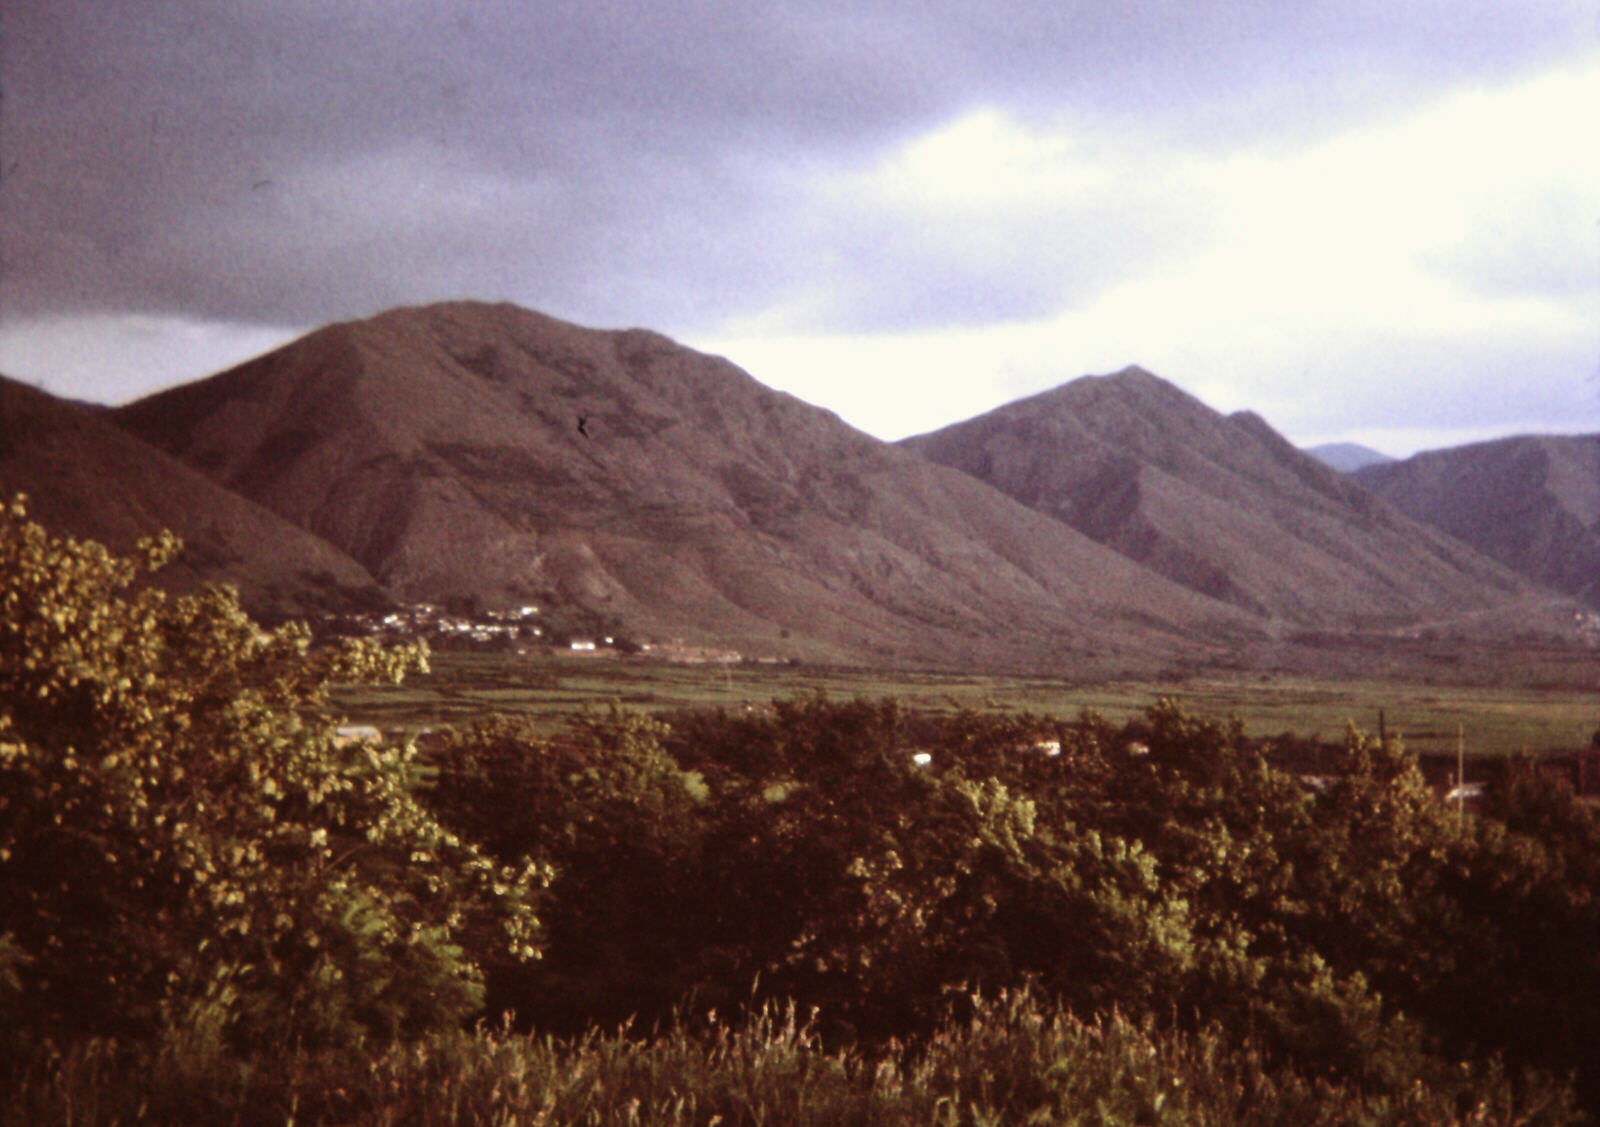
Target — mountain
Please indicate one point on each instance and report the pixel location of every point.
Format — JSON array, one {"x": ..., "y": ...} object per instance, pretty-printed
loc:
[
  {"x": 1347, "y": 457},
  {"x": 1221, "y": 504},
  {"x": 1532, "y": 502},
  {"x": 487, "y": 453},
  {"x": 87, "y": 478}
]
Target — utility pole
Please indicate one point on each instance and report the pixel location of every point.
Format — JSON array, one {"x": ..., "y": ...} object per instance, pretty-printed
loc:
[{"x": 1461, "y": 771}]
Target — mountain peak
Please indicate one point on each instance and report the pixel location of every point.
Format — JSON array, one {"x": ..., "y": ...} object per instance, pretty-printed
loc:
[
  {"x": 1347, "y": 457},
  {"x": 1133, "y": 374},
  {"x": 1132, "y": 377}
]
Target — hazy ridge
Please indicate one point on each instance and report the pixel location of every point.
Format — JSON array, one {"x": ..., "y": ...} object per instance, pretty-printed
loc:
[{"x": 1530, "y": 502}]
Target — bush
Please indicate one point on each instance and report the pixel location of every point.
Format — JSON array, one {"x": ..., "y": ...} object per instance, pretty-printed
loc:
[
  {"x": 183, "y": 840},
  {"x": 207, "y": 903},
  {"x": 619, "y": 823},
  {"x": 1015, "y": 1060}
]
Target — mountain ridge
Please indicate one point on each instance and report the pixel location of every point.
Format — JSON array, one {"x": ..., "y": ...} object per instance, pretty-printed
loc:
[
  {"x": 1223, "y": 504},
  {"x": 491, "y": 456},
  {"x": 85, "y": 477},
  {"x": 1348, "y": 457},
  {"x": 439, "y": 446}
]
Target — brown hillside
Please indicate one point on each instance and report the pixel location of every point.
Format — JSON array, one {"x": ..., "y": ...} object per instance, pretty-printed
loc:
[
  {"x": 85, "y": 477},
  {"x": 1223, "y": 505},
  {"x": 440, "y": 447},
  {"x": 1533, "y": 503}
]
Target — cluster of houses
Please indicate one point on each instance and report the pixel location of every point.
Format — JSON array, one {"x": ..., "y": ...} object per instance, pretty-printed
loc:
[
  {"x": 521, "y": 629},
  {"x": 517, "y": 628}
]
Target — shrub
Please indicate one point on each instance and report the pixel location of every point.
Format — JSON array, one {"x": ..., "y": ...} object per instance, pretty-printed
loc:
[
  {"x": 183, "y": 840},
  {"x": 619, "y": 823}
]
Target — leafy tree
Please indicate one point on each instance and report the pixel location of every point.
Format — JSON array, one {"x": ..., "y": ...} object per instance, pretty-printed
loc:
[
  {"x": 619, "y": 821},
  {"x": 1520, "y": 912},
  {"x": 880, "y": 890},
  {"x": 1533, "y": 803},
  {"x": 185, "y": 842}
]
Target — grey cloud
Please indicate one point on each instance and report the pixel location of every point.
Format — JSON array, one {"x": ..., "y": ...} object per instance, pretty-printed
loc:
[
  {"x": 294, "y": 161},
  {"x": 1516, "y": 386},
  {"x": 876, "y": 272}
]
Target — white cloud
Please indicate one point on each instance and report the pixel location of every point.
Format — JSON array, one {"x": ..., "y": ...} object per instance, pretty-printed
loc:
[
  {"x": 894, "y": 385},
  {"x": 1363, "y": 269},
  {"x": 983, "y": 163},
  {"x": 985, "y": 219}
]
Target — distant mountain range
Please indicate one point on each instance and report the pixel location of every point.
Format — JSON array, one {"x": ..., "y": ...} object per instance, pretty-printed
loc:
[
  {"x": 488, "y": 455},
  {"x": 1348, "y": 457},
  {"x": 442, "y": 449}
]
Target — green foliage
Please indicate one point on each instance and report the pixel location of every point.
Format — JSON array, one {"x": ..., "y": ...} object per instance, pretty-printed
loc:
[
  {"x": 13, "y": 962},
  {"x": 183, "y": 840},
  {"x": 209, "y": 901},
  {"x": 1517, "y": 913},
  {"x": 1534, "y": 804},
  {"x": 823, "y": 862},
  {"x": 618, "y": 821}
]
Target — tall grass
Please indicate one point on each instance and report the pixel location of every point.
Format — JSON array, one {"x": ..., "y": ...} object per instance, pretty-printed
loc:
[{"x": 1014, "y": 1062}]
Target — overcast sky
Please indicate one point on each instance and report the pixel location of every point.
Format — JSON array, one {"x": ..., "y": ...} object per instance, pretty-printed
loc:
[{"x": 1370, "y": 220}]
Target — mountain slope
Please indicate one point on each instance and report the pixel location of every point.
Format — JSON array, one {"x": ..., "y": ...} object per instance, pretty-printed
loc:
[
  {"x": 1533, "y": 503},
  {"x": 441, "y": 448},
  {"x": 85, "y": 477},
  {"x": 1223, "y": 505}
]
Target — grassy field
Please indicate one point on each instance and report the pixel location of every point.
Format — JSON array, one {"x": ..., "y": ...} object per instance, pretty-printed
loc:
[{"x": 547, "y": 688}]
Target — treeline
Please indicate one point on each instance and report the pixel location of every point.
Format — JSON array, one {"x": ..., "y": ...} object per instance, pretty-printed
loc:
[{"x": 824, "y": 912}]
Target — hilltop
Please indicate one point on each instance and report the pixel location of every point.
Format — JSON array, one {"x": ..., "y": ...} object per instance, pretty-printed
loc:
[{"x": 1347, "y": 457}]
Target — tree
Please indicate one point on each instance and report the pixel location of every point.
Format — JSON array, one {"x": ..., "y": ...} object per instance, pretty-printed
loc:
[
  {"x": 619, "y": 822},
  {"x": 184, "y": 839}
]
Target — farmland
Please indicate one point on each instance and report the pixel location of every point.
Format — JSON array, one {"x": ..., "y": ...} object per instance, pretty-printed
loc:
[{"x": 1532, "y": 706}]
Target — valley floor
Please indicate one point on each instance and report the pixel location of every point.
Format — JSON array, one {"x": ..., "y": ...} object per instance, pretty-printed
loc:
[{"x": 1500, "y": 702}]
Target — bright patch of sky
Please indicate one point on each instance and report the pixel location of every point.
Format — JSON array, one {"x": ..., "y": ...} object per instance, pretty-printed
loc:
[{"x": 1373, "y": 285}]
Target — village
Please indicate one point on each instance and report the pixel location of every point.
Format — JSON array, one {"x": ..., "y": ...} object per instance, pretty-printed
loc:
[{"x": 525, "y": 629}]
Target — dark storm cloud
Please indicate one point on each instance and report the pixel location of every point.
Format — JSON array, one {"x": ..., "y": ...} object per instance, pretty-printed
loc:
[{"x": 290, "y": 162}]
